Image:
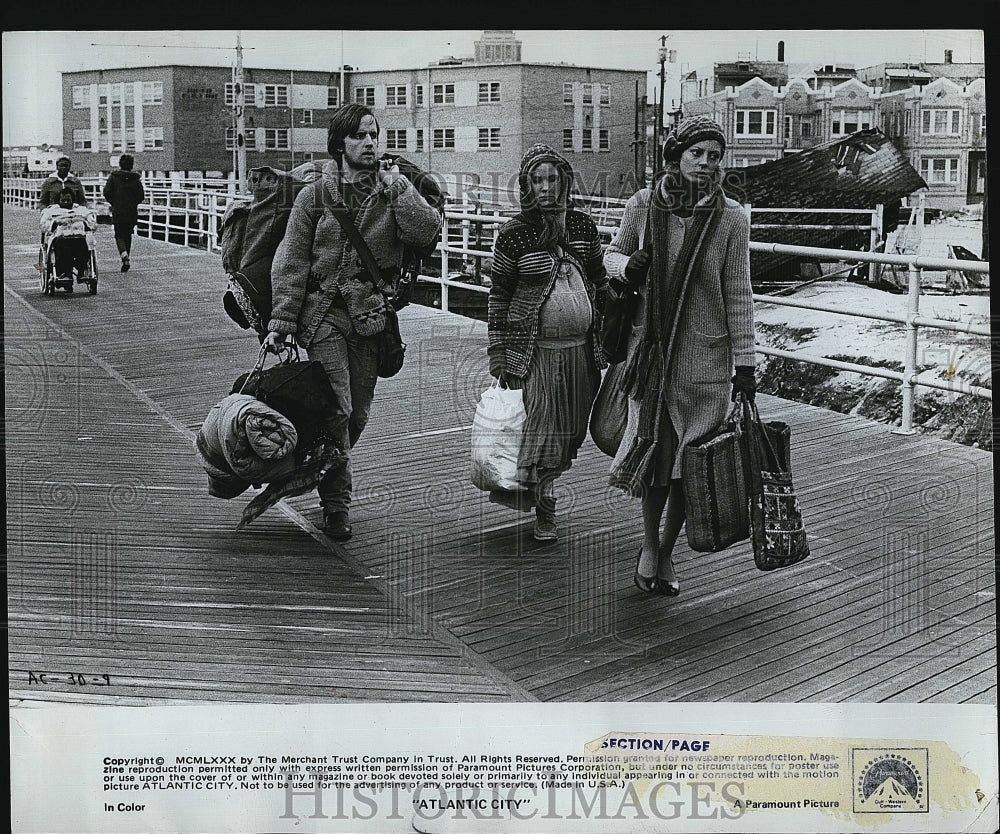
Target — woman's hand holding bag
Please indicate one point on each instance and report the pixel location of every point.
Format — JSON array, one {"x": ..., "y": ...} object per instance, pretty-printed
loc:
[
  {"x": 497, "y": 432},
  {"x": 619, "y": 311}
]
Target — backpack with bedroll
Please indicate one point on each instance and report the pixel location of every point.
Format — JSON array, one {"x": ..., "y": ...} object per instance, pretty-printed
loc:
[{"x": 252, "y": 230}]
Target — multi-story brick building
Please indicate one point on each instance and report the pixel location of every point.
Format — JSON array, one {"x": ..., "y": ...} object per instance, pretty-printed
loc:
[{"x": 467, "y": 120}]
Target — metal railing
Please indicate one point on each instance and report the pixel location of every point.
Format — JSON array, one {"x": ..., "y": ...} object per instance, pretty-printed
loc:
[
  {"x": 192, "y": 216},
  {"x": 909, "y": 378}
]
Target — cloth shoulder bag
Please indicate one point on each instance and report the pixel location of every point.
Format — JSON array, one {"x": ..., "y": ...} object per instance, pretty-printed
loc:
[
  {"x": 716, "y": 497},
  {"x": 610, "y": 413},
  {"x": 619, "y": 314},
  {"x": 391, "y": 348},
  {"x": 779, "y": 537}
]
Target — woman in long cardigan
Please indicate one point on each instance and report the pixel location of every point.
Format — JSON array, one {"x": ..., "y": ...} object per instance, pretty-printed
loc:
[
  {"x": 692, "y": 329},
  {"x": 544, "y": 320}
]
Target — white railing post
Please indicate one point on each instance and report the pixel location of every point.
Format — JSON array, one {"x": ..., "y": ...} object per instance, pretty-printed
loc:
[
  {"x": 910, "y": 360},
  {"x": 445, "y": 243}
]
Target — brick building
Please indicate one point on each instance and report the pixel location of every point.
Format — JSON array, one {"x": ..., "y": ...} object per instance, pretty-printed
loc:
[{"x": 468, "y": 120}]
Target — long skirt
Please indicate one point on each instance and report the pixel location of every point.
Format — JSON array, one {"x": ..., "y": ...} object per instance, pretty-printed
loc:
[{"x": 559, "y": 391}]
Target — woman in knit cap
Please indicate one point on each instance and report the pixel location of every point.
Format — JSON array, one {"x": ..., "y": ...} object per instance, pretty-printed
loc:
[
  {"x": 544, "y": 321},
  {"x": 686, "y": 247}
]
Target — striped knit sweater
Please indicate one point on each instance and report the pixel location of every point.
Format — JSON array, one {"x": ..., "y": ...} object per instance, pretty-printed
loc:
[
  {"x": 522, "y": 280},
  {"x": 716, "y": 329}
]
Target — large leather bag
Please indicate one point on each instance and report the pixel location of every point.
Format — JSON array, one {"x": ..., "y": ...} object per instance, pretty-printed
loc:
[
  {"x": 298, "y": 389},
  {"x": 715, "y": 479}
]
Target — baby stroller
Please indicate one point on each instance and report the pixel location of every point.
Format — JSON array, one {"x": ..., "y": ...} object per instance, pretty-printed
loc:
[{"x": 52, "y": 244}]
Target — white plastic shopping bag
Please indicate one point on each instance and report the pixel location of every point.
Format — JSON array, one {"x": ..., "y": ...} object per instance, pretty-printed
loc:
[{"x": 497, "y": 431}]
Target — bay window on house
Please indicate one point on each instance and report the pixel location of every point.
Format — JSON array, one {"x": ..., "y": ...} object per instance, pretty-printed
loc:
[
  {"x": 761, "y": 123},
  {"x": 850, "y": 121},
  {"x": 940, "y": 121},
  {"x": 939, "y": 170}
]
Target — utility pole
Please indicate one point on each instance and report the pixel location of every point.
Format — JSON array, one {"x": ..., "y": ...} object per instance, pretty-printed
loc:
[
  {"x": 241, "y": 145},
  {"x": 635, "y": 136},
  {"x": 663, "y": 80}
]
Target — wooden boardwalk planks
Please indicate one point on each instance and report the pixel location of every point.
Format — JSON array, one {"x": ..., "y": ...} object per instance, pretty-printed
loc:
[{"x": 120, "y": 562}]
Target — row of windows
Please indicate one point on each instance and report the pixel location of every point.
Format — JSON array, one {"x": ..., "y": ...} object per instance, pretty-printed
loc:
[
  {"x": 117, "y": 140},
  {"x": 442, "y": 138},
  {"x": 152, "y": 93},
  {"x": 261, "y": 95},
  {"x": 265, "y": 139},
  {"x": 933, "y": 122},
  {"x": 587, "y": 139},
  {"x": 603, "y": 91},
  {"x": 397, "y": 95}
]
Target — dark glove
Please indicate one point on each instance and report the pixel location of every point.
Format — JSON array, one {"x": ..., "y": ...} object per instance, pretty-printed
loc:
[
  {"x": 744, "y": 383},
  {"x": 637, "y": 267}
]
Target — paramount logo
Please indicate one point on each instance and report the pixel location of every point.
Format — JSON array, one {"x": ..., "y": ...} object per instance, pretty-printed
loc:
[{"x": 890, "y": 780}]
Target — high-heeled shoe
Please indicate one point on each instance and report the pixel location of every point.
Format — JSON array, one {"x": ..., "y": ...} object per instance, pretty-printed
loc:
[
  {"x": 646, "y": 584},
  {"x": 666, "y": 589}
]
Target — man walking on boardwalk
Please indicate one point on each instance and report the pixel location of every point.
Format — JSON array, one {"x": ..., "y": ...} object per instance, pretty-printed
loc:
[
  {"x": 124, "y": 192},
  {"x": 325, "y": 298}
]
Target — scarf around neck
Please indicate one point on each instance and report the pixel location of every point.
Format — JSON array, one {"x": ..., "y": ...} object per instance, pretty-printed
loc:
[{"x": 647, "y": 371}]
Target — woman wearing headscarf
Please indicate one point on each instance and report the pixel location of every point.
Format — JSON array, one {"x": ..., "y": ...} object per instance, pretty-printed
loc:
[
  {"x": 544, "y": 319},
  {"x": 692, "y": 345}
]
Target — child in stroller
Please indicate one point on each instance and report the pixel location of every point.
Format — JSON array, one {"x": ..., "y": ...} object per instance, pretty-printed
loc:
[{"x": 68, "y": 244}]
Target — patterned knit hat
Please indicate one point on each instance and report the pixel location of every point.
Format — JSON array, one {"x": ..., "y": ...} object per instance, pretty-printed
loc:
[{"x": 688, "y": 132}]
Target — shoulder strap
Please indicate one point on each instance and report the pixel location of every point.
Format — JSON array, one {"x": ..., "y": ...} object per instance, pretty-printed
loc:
[
  {"x": 343, "y": 215},
  {"x": 644, "y": 231}
]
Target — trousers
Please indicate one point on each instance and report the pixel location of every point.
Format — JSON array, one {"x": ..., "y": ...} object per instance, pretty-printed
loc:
[
  {"x": 351, "y": 363},
  {"x": 71, "y": 252}
]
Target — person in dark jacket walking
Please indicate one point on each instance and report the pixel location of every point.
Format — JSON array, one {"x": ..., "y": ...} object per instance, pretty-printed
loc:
[
  {"x": 124, "y": 192},
  {"x": 544, "y": 324}
]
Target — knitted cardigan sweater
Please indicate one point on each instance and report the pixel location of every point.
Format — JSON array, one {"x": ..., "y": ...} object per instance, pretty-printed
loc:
[
  {"x": 715, "y": 331},
  {"x": 315, "y": 254},
  {"x": 522, "y": 280}
]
